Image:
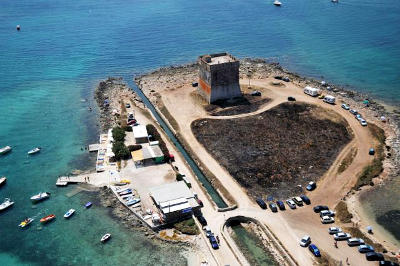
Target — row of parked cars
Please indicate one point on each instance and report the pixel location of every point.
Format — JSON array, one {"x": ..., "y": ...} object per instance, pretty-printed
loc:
[
  {"x": 356, "y": 114},
  {"x": 292, "y": 203},
  {"x": 210, "y": 235}
]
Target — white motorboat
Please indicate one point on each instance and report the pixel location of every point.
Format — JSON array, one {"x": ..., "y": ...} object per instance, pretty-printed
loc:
[
  {"x": 105, "y": 238},
  {"x": 5, "y": 149},
  {"x": 277, "y": 3},
  {"x": 7, "y": 203},
  {"x": 69, "y": 213},
  {"x": 35, "y": 150},
  {"x": 26, "y": 222},
  {"x": 335, "y": 1},
  {"x": 133, "y": 201},
  {"x": 41, "y": 196},
  {"x": 3, "y": 180}
]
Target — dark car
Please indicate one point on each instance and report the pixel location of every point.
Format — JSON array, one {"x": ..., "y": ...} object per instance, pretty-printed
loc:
[
  {"x": 319, "y": 208},
  {"x": 305, "y": 199},
  {"x": 374, "y": 256},
  {"x": 278, "y": 77},
  {"x": 213, "y": 242},
  {"x": 281, "y": 206},
  {"x": 314, "y": 250},
  {"x": 261, "y": 203},
  {"x": 371, "y": 151},
  {"x": 291, "y": 99},
  {"x": 311, "y": 186},
  {"x": 255, "y": 93},
  {"x": 195, "y": 84},
  {"x": 202, "y": 220},
  {"x": 286, "y": 79},
  {"x": 273, "y": 207},
  {"x": 388, "y": 263}
]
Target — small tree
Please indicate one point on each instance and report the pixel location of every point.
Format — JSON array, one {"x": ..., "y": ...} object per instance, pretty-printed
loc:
[
  {"x": 118, "y": 134},
  {"x": 249, "y": 76}
]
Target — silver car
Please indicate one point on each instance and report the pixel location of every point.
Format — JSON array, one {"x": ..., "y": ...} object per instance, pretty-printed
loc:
[
  {"x": 305, "y": 241},
  {"x": 355, "y": 242},
  {"x": 327, "y": 220},
  {"x": 342, "y": 236},
  {"x": 334, "y": 230}
]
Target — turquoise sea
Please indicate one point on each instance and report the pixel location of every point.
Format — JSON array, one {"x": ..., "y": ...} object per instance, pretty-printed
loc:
[{"x": 64, "y": 48}]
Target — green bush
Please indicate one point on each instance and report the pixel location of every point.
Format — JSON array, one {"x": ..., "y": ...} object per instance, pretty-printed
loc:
[
  {"x": 134, "y": 147},
  {"x": 120, "y": 151},
  {"x": 188, "y": 227},
  {"x": 128, "y": 128},
  {"x": 118, "y": 134}
]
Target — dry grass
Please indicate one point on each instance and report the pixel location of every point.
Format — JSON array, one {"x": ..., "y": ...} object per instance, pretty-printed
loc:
[
  {"x": 326, "y": 260},
  {"x": 375, "y": 168},
  {"x": 347, "y": 160},
  {"x": 342, "y": 212}
]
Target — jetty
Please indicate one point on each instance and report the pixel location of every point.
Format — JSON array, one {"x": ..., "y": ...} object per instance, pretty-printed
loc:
[{"x": 65, "y": 180}]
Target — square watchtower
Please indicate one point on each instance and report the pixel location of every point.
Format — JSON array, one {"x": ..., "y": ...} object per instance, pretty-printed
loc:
[{"x": 219, "y": 77}]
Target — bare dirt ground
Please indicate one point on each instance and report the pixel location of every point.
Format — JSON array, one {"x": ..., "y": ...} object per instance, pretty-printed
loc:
[{"x": 273, "y": 152}]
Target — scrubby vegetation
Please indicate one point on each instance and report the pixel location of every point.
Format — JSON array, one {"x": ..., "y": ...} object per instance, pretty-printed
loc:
[
  {"x": 134, "y": 147},
  {"x": 347, "y": 160},
  {"x": 119, "y": 149},
  {"x": 276, "y": 150},
  {"x": 188, "y": 227},
  {"x": 375, "y": 168},
  {"x": 342, "y": 212},
  {"x": 152, "y": 130}
]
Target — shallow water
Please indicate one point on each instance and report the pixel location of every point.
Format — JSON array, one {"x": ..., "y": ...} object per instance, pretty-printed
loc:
[{"x": 64, "y": 48}]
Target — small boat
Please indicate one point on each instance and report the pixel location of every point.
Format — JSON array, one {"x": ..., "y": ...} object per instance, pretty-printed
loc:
[
  {"x": 69, "y": 213},
  {"x": 126, "y": 192},
  {"x": 35, "y": 150},
  {"x": 133, "y": 201},
  {"x": 3, "y": 180},
  {"x": 105, "y": 238},
  {"x": 41, "y": 196},
  {"x": 7, "y": 203},
  {"x": 48, "y": 218},
  {"x": 335, "y": 1},
  {"x": 5, "y": 149},
  {"x": 26, "y": 222},
  {"x": 277, "y": 3},
  {"x": 88, "y": 205}
]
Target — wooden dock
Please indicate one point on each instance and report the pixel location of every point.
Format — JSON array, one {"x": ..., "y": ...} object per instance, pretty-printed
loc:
[
  {"x": 94, "y": 147},
  {"x": 65, "y": 180}
]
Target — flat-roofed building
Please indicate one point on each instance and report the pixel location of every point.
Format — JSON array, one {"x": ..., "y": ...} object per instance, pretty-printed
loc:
[
  {"x": 174, "y": 200},
  {"x": 140, "y": 134}
]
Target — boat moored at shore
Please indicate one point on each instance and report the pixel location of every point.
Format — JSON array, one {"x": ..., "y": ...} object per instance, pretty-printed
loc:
[
  {"x": 5, "y": 149},
  {"x": 34, "y": 151},
  {"x": 277, "y": 3},
  {"x": 3, "y": 180},
  {"x": 26, "y": 222},
  {"x": 41, "y": 196},
  {"x": 88, "y": 205},
  {"x": 105, "y": 238},
  {"x": 6, "y": 204},
  {"x": 69, "y": 213},
  {"x": 48, "y": 218}
]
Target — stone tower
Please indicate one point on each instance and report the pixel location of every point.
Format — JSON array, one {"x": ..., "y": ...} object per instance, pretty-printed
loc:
[{"x": 218, "y": 77}]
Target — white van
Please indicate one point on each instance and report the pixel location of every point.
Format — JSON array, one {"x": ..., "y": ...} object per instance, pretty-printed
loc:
[
  {"x": 311, "y": 91},
  {"x": 329, "y": 99}
]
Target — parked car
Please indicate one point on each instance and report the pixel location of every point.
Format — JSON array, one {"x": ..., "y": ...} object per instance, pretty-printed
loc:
[
  {"x": 305, "y": 199},
  {"x": 334, "y": 230},
  {"x": 327, "y": 213},
  {"x": 363, "y": 122},
  {"x": 214, "y": 243},
  {"x": 327, "y": 220},
  {"x": 127, "y": 105},
  {"x": 255, "y": 93},
  {"x": 202, "y": 220},
  {"x": 388, "y": 263},
  {"x": 261, "y": 203},
  {"x": 208, "y": 231},
  {"x": 365, "y": 249},
  {"x": 353, "y": 111},
  {"x": 281, "y": 206},
  {"x": 314, "y": 250},
  {"x": 345, "y": 106},
  {"x": 358, "y": 116},
  {"x": 341, "y": 236},
  {"x": 319, "y": 208},
  {"x": 374, "y": 256},
  {"x": 291, "y": 204},
  {"x": 355, "y": 242},
  {"x": 305, "y": 241},
  {"x": 298, "y": 201},
  {"x": 273, "y": 207},
  {"x": 291, "y": 99},
  {"x": 286, "y": 79},
  {"x": 371, "y": 151},
  {"x": 311, "y": 186},
  {"x": 278, "y": 77}
]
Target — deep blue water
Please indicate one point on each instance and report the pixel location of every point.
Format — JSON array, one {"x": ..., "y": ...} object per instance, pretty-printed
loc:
[{"x": 65, "y": 47}]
